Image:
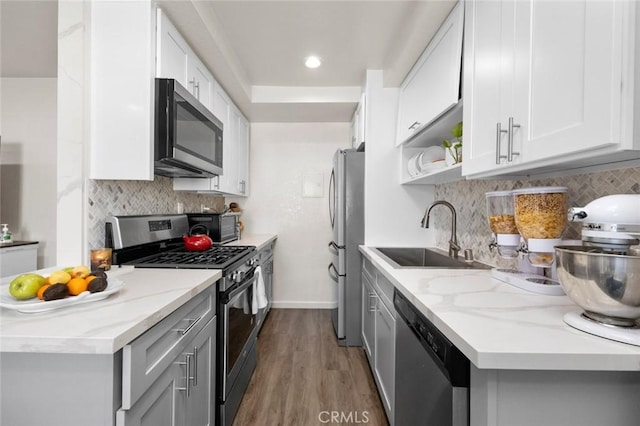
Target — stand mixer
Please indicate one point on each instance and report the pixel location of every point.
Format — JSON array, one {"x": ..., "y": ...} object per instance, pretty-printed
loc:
[
  {"x": 603, "y": 275},
  {"x": 526, "y": 225}
]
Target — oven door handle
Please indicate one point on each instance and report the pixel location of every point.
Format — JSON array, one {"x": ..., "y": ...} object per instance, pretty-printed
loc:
[{"x": 240, "y": 288}]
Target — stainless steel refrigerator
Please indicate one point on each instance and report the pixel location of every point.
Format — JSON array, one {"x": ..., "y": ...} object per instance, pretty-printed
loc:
[{"x": 346, "y": 210}]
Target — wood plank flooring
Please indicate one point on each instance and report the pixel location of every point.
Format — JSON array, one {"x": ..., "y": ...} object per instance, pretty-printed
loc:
[{"x": 304, "y": 378}]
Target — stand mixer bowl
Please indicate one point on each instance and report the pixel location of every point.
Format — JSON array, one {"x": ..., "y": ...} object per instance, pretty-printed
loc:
[{"x": 606, "y": 286}]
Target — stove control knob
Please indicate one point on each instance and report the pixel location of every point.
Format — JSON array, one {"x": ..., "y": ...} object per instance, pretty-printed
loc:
[
  {"x": 237, "y": 276},
  {"x": 252, "y": 262}
]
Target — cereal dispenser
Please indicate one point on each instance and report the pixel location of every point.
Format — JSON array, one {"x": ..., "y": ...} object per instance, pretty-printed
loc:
[
  {"x": 526, "y": 225},
  {"x": 541, "y": 218},
  {"x": 506, "y": 238}
]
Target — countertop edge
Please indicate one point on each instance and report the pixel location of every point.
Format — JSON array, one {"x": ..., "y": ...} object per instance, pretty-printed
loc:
[{"x": 515, "y": 359}]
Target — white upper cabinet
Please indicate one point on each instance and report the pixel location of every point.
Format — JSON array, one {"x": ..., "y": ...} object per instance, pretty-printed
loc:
[
  {"x": 122, "y": 45},
  {"x": 243, "y": 137},
  {"x": 234, "y": 179},
  {"x": 172, "y": 53},
  {"x": 547, "y": 85},
  {"x": 201, "y": 82},
  {"x": 175, "y": 59},
  {"x": 433, "y": 84},
  {"x": 358, "y": 123}
]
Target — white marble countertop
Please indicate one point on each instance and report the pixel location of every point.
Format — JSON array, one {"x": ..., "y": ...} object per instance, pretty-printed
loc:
[
  {"x": 104, "y": 326},
  {"x": 499, "y": 326},
  {"x": 258, "y": 240}
]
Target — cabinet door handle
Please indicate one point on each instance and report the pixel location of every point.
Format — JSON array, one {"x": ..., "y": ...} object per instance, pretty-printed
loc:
[
  {"x": 414, "y": 125},
  {"x": 195, "y": 366},
  {"x": 510, "y": 152},
  {"x": 216, "y": 184},
  {"x": 374, "y": 305},
  {"x": 499, "y": 132},
  {"x": 187, "y": 375}
]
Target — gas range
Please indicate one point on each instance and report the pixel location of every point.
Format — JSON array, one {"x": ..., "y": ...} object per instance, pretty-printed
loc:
[
  {"x": 218, "y": 257},
  {"x": 155, "y": 241}
]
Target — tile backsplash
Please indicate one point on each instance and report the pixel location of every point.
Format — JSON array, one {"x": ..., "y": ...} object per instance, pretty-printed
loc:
[
  {"x": 125, "y": 197},
  {"x": 469, "y": 200}
]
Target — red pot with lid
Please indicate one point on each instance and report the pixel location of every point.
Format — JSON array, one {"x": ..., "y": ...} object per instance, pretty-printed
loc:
[{"x": 197, "y": 240}]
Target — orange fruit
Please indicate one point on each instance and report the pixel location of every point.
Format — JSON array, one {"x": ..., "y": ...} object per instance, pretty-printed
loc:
[
  {"x": 41, "y": 291},
  {"x": 77, "y": 285},
  {"x": 90, "y": 278}
]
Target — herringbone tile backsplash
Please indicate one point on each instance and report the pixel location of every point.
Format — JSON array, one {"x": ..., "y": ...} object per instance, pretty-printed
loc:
[
  {"x": 469, "y": 200},
  {"x": 126, "y": 197}
]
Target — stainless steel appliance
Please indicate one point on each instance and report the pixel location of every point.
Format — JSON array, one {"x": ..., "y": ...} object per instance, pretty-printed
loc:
[
  {"x": 346, "y": 211},
  {"x": 432, "y": 375},
  {"x": 223, "y": 227},
  {"x": 603, "y": 275},
  {"x": 156, "y": 242},
  {"x": 188, "y": 137}
]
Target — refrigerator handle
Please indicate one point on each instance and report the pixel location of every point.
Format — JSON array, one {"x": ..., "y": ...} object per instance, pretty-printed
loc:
[
  {"x": 333, "y": 273},
  {"x": 333, "y": 248},
  {"x": 332, "y": 188}
]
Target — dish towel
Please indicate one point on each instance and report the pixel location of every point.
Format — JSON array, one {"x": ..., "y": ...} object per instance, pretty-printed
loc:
[{"x": 259, "y": 297}]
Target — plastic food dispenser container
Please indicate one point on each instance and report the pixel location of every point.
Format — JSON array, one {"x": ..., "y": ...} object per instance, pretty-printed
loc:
[
  {"x": 541, "y": 218},
  {"x": 500, "y": 214}
]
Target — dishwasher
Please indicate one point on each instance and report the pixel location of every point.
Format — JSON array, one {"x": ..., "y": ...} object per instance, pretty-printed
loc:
[{"x": 432, "y": 375}]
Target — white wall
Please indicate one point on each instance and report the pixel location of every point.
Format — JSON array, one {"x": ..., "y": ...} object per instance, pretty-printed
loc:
[
  {"x": 281, "y": 153},
  {"x": 392, "y": 211},
  {"x": 28, "y": 162}
]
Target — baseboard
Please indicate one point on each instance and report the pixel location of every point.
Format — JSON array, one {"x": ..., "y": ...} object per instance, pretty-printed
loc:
[{"x": 304, "y": 305}]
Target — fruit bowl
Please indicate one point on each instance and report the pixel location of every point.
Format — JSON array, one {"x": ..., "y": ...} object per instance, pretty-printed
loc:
[
  {"x": 35, "y": 305},
  {"x": 606, "y": 286}
]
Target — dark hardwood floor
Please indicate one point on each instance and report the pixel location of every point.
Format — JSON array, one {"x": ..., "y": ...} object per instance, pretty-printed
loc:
[{"x": 304, "y": 378}]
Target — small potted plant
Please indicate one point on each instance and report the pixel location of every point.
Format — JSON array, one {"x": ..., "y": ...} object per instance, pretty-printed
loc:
[{"x": 454, "y": 145}]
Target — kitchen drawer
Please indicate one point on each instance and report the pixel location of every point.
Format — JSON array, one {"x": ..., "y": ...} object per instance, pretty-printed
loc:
[
  {"x": 147, "y": 357},
  {"x": 369, "y": 270},
  {"x": 265, "y": 254},
  {"x": 385, "y": 290}
]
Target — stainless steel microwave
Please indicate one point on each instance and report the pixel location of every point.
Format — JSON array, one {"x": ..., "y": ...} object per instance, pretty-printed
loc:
[
  {"x": 223, "y": 227},
  {"x": 188, "y": 137}
]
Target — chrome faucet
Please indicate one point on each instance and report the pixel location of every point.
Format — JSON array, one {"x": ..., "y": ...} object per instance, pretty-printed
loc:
[{"x": 454, "y": 247}]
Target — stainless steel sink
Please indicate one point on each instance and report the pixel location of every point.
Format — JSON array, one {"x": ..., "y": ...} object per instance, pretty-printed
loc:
[{"x": 413, "y": 257}]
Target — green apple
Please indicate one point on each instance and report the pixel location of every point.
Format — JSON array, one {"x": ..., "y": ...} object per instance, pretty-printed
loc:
[{"x": 26, "y": 286}]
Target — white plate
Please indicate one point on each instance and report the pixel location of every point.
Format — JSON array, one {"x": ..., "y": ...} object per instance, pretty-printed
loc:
[
  {"x": 36, "y": 305},
  {"x": 435, "y": 165},
  {"x": 412, "y": 165}
]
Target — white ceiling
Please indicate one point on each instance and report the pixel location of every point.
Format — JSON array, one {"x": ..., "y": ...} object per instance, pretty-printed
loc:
[{"x": 256, "y": 48}]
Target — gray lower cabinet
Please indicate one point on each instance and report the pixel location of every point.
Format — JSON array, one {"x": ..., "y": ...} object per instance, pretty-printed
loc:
[
  {"x": 183, "y": 394},
  {"x": 164, "y": 377},
  {"x": 379, "y": 333},
  {"x": 369, "y": 297},
  {"x": 169, "y": 372},
  {"x": 265, "y": 260}
]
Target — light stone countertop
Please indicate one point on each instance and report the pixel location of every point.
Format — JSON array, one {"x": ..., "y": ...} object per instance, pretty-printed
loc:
[
  {"x": 499, "y": 326},
  {"x": 258, "y": 240},
  {"x": 104, "y": 326}
]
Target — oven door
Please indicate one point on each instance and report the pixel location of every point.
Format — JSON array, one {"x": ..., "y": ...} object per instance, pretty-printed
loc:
[{"x": 238, "y": 330}]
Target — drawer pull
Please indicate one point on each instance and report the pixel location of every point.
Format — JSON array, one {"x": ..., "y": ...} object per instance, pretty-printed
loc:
[{"x": 190, "y": 326}]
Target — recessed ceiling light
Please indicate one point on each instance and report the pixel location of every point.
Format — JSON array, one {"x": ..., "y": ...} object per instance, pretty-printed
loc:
[{"x": 312, "y": 62}]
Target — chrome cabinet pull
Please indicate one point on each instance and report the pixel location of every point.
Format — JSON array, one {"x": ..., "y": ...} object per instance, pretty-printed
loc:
[
  {"x": 187, "y": 377},
  {"x": 373, "y": 306},
  {"x": 189, "y": 327},
  {"x": 499, "y": 132},
  {"x": 414, "y": 125},
  {"x": 510, "y": 152},
  {"x": 195, "y": 366}
]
